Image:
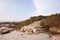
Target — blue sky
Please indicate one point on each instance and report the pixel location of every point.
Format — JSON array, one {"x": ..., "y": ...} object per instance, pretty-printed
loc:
[{"x": 18, "y": 10}]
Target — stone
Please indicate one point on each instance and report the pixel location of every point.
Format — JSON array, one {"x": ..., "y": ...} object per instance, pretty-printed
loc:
[{"x": 5, "y": 30}]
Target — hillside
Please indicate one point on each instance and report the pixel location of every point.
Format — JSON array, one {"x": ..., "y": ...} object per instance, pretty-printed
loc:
[
  {"x": 18, "y": 25},
  {"x": 28, "y": 21},
  {"x": 52, "y": 23}
]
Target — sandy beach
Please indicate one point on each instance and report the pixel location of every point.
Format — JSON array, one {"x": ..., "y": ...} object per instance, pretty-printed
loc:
[{"x": 15, "y": 35}]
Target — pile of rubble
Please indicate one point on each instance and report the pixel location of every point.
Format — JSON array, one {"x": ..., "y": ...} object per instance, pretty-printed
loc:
[{"x": 32, "y": 30}]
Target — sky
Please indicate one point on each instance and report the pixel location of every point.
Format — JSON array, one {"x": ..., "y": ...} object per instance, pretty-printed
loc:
[{"x": 18, "y": 10}]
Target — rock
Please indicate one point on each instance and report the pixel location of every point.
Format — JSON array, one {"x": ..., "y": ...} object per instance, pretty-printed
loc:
[
  {"x": 33, "y": 28},
  {"x": 23, "y": 29},
  {"x": 54, "y": 29},
  {"x": 5, "y": 30}
]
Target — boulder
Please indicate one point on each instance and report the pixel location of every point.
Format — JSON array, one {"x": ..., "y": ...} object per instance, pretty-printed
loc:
[{"x": 31, "y": 30}]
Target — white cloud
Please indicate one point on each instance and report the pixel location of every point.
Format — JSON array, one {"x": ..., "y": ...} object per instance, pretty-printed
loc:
[{"x": 44, "y": 7}]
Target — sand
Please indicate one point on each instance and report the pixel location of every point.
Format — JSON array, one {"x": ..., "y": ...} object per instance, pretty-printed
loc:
[{"x": 15, "y": 35}]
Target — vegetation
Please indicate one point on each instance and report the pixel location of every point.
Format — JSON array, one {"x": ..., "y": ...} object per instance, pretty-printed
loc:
[
  {"x": 46, "y": 21},
  {"x": 29, "y": 21},
  {"x": 51, "y": 21},
  {"x": 18, "y": 25}
]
